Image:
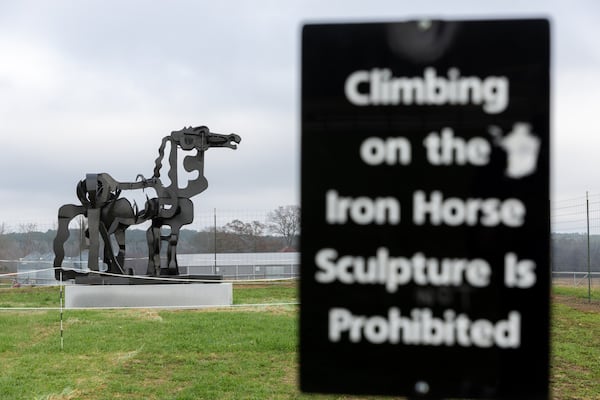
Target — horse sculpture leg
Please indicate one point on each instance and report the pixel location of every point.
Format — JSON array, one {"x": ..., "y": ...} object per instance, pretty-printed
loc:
[
  {"x": 172, "y": 267},
  {"x": 120, "y": 238},
  {"x": 65, "y": 214},
  {"x": 114, "y": 266},
  {"x": 117, "y": 217},
  {"x": 109, "y": 257},
  {"x": 185, "y": 216},
  {"x": 93, "y": 215},
  {"x": 153, "y": 238}
]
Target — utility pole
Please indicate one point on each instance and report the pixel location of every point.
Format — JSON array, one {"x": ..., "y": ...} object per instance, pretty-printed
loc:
[
  {"x": 215, "y": 247},
  {"x": 589, "y": 268}
]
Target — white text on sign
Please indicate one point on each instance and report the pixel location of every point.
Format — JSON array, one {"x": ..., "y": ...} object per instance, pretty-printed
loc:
[
  {"x": 395, "y": 271},
  {"x": 378, "y": 87},
  {"x": 431, "y": 209},
  {"x": 421, "y": 327}
]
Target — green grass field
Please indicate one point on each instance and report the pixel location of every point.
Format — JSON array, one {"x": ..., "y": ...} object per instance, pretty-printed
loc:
[{"x": 233, "y": 353}]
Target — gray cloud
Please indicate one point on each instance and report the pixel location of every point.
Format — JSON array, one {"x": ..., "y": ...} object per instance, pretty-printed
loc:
[{"x": 93, "y": 86}]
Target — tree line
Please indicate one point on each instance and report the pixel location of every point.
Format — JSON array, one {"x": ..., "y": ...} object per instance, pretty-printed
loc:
[
  {"x": 280, "y": 232},
  {"x": 570, "y": 252}
]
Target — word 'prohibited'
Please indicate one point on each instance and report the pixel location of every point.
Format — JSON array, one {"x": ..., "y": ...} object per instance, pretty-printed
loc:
[{"x": 425, "y": 209}]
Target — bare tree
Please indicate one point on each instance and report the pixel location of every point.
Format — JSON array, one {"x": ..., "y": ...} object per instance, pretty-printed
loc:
[
  {"x": 9, "y": 249},
  {"x": 4, "y": 247},
  {"x": 248, "y": 235},
  {"x": 28, "y": 243},
  {"x": 285, "y": 221},
  {"x": 254, "y": 228}
]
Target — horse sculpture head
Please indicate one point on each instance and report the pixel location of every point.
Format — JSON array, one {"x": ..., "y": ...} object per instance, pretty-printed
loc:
[
  {"x": 198, "y": 138},
  {"x": 201, "y": 138}
]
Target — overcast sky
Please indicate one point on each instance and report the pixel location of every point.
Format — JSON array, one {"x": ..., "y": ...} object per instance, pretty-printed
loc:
[{"x": 93, "y": 86}]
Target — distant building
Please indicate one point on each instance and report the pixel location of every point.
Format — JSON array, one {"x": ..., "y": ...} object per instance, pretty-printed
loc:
[{"x": 242, "y": 265}]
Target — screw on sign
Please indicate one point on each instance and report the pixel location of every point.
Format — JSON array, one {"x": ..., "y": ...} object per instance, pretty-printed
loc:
[{"x": 425, "y": 215}]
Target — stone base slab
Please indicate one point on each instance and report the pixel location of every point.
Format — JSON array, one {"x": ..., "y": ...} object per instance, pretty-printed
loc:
[{"x": 174, "y": 295}]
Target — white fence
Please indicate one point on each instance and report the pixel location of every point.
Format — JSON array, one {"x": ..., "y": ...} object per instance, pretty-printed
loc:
[
  {"x": 241, "y": 265},
  {"x": 574, "y": 278},
  {"x": 231, "y": 266}
]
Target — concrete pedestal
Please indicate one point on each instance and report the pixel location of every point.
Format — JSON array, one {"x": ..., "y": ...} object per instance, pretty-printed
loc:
[{"x": 174, "y": 295}]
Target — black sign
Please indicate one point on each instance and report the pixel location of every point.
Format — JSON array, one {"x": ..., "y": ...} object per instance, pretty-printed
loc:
[{"x": 425, "y": 209}]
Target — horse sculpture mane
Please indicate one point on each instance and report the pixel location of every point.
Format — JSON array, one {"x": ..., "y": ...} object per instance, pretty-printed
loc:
[{"x": 109, "y": 214}]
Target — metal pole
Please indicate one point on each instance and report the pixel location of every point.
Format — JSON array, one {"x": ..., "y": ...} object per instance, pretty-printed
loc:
[
  {"x": 215, "y": 223},
  {"x": 587, "y": 207},
  {"x": 80, "y": 239},
  {"x": 62, "y": 346}
]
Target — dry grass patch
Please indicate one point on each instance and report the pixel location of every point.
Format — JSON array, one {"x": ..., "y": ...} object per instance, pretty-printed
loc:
[{"x": 66, "y": 394}]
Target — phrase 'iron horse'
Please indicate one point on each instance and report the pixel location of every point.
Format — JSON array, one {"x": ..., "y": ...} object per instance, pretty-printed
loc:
[{"x": 109, "y": 215}]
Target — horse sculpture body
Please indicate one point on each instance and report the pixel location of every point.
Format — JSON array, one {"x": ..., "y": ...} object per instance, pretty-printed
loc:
[{"x": 109, "y": 215}]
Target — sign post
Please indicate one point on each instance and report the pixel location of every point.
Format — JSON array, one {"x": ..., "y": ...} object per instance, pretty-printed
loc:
[{"x": 425, "y": 209}]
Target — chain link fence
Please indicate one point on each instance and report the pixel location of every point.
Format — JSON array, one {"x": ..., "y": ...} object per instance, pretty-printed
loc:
[{"x": 576, "y": 241}]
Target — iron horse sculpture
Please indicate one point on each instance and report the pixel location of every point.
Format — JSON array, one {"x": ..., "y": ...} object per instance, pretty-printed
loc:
[{"x": 109, "y": 214}]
